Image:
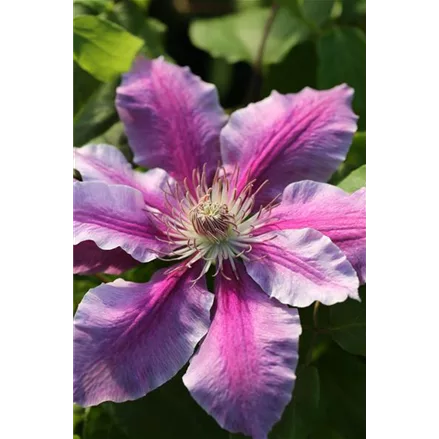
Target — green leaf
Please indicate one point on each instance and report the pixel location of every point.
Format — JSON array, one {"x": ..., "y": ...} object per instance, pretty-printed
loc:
[
  {"x": 102, "y": 48},
  {"x": 336, "y": 10},
  {"x": 221, "y": 74},
  {"x": 78, "y": 417},
  {"x": 241, "y": 5},
  {"x": 143, "y": 272},
  {"x": 342, "y": 58},
  {"x": 300, "y": 415},
  {"x": 97, "y": 115},
  {"x": 84, "y": 85},
  {"x": 91, "y": 7},
  {"x": 342, "y": 406},
  {"x": 355, "y": 158},
  {"x": 294, "y": 6},
  {"x": 143, "y": 4},
  {"x": 313, "y": 12},
  {"x": 81, "y": 284},
  {"x": 244, "y": 32},
  {"x": 99, "y": 424},
  {"x": 327, "y": 433},
  {"x": 153, "y": 34},
  {"x": 285, "y": 77},
  {"x": 355, "y": 180},
  {"x": 128, "y": 15},
  {"x": 348, "y": 324},
  {"x": 168, "y": 412},
  {"x": 152, "y": 31},
  {"x": 353, "y": 8},
  {"x": 313, "y": 342},
  {"x": 318, "y": 11},
  {"x": 115, "y": 136}
]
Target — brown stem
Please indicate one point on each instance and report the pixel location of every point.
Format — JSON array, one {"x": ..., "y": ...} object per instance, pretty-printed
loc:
[
  {"x": 102, "y": 277},
  {"x": 254, "y": 91},
  {"x": 316, "y": 330},
  {"x": 314, "y": 314}
]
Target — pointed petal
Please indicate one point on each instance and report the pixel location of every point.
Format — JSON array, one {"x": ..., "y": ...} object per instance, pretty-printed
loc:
[
  {"x": 130, "y": 338},
  {"x": 113, "y": 216},
  {"x": 287, "y": 138},
  {"x": 172, "y": 118},
  {"x": 88, "y": 258},
  {"x": 298, "y": 267},
  {"x": 330, "y": 210},
  {"x": 107, "y": 164},
  {"x": 243, "y": 373}
]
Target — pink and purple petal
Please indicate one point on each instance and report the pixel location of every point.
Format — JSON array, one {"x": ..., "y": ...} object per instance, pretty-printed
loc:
[
  {"x": 243, "y": 374},
  {"x": 287, "y": 138},
  {"x": 330, "y": 210},
  {"x": 105, "y": 163},
  {"x": 114, "y": 216},
  {"x": 130, "y": 338},
  {"x": 88, "y": 258},
  {"x": 298, "y": 267},
  {"x": 172, "y": 118}
]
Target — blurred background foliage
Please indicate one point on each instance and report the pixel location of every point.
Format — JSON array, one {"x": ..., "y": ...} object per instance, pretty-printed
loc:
[{"x": 315, "y": 43}]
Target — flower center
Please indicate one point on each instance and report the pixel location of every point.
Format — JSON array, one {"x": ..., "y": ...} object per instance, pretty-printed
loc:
[
  {"x": 213, "y": 224},
  {"x": 212, "y": 219}
]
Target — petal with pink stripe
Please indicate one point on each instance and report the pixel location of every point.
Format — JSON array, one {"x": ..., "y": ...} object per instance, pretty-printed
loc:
[
  {"x": 172, "y": 118},
  {"x": 331, "y": 211},
  {"x": 244, "y": 372},
  {"x": 130, "y": 338},
  {"x": 287, "y": 138},
  {"x": 105, "y": 163},
  {"x": 114, "y": 216},
  {"x": 298, "y": 267}
]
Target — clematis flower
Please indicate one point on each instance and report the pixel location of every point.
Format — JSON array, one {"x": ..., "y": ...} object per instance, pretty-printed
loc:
[{"x": 244, "y": 196}]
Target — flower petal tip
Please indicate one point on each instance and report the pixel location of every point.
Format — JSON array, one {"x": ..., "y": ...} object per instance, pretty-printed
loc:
[
  {"x": 172, "y": 117},
  {"x": 118, "y": 322}
]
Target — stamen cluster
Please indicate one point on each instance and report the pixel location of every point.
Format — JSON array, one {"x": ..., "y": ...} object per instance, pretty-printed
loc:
[{"x": 215, "y": 223}]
